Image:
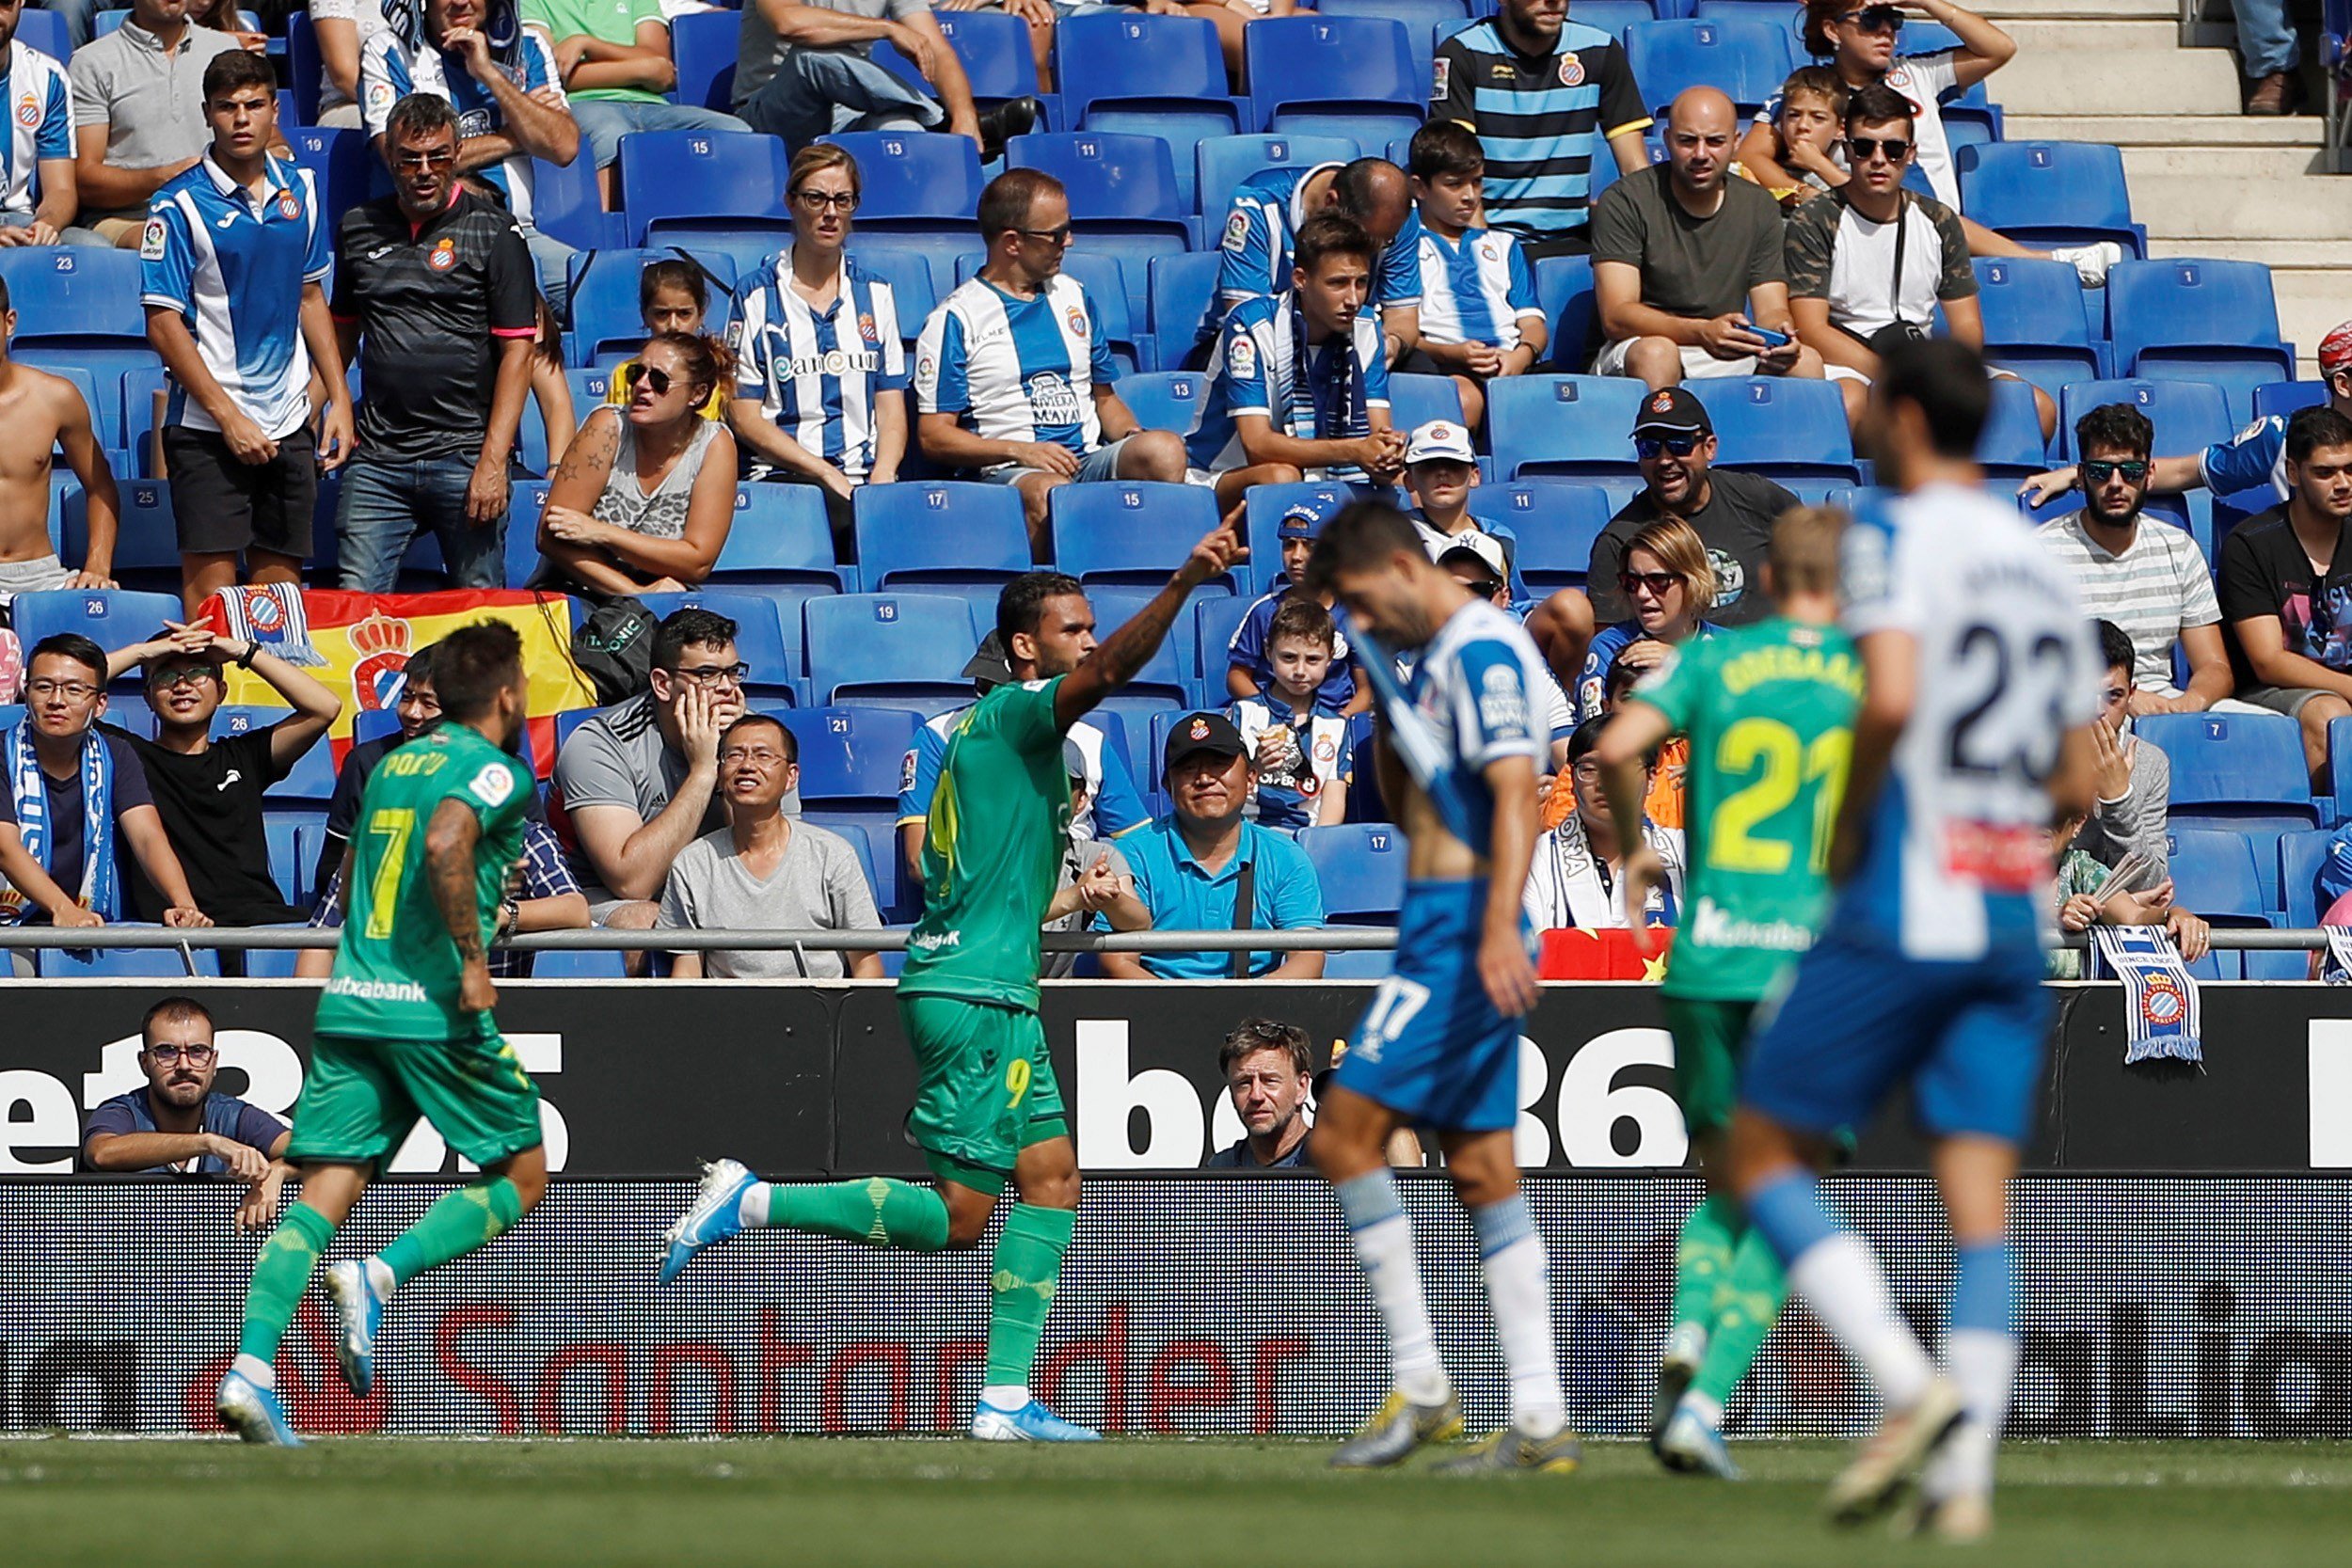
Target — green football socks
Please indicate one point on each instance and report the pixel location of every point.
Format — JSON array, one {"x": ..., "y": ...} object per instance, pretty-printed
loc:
[
  {"x": 458, "y": 1223},
  {"x": 877, "y": 1210},
  {"x": 1703, "y": 1258},
  {"x": 1023, "y": 1278},
  {"x": 281, "y": 1274},
  {"x": 1744, "y": 1312}
]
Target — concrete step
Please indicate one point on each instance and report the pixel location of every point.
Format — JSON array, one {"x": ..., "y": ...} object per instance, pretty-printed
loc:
[
  {"x": 2271, "y": 174},
  {"x": 2148, "y": 130},
  {"x": 2210, "y": 207},
  {"x": 2007, "y": 11},
  {"x": 2278, "y": 255},
  {"x": 2112, "y": 68}
]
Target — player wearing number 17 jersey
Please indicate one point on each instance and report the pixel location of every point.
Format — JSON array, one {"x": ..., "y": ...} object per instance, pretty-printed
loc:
[
  {"x": 1769, "y": 713},
  {"x": 1972, "y": 736},
  {"x": 405, "y": 1027},
  {"x": 1457, "y": 754}
]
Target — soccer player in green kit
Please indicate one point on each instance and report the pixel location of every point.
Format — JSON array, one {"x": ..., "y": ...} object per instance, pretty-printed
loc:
[
  {"x": 1769, "y": 711},
  {"x": 405, "y": 1027},
  {"x": 988, "y": 1110}
]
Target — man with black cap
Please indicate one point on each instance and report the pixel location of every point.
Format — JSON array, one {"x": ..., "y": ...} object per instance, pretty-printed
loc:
[{"x": 1194, "y": 866}]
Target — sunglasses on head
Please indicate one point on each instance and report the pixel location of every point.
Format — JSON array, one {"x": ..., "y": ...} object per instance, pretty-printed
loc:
[
  {"x": 1646, "y": 447},
  {"x": 1659, "y": 583},
  {"x": 2100, "y": 472},
  {"x": 1866, "y": 147},
  {"x": 1874, "y": 19},
  {"x": 652, "y": 375}
]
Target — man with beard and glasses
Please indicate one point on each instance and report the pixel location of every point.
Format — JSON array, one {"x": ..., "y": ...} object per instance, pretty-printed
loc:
[{"x": 179, "y": 1123}]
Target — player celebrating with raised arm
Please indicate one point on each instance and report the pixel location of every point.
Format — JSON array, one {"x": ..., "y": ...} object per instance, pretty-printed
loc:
[
  {"x": 988, "y": 1107},
  {"x": 1457, "y": 754},
  {"x": 1978, "y": 693},
  {"x": 1769, "y": 711},
  {"x": 405, "y": 1027}
]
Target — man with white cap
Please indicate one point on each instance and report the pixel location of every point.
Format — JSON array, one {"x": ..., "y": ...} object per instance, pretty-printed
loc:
[{"x": 2253, "y": 459}]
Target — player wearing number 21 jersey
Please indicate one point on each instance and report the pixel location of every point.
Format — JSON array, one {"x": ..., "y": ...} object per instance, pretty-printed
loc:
[
  {"x": 1979, "y": 684},
  {"x": 1458, "y": 748},
  {"x": 405, "y": 1027}
]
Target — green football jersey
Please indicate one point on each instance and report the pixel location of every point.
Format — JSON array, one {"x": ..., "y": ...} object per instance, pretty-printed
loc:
[
  {"x": 396, "y": 973},
  {"x": 1769, "y": 709},
  {"x": 992, "y": 851}
]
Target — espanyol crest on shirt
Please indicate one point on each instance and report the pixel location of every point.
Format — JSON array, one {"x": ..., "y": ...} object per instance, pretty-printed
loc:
[{"x": 1572, "y": 69}]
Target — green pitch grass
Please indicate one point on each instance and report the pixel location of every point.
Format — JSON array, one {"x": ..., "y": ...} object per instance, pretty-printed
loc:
[{"x": 570, "y": 1504}]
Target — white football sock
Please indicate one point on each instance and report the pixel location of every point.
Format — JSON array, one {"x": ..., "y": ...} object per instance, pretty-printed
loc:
[
  {"x": 380, "y": 1277},
  {"x": 1841, "y": 1281},
  {"x": 1984, "y": 1365},
  {"x": 1384, "y": 1244},
  {"x": 752, "y": 1210},
  {"x": 1518, "y": 1290},
  {"x": 255, "y": 1370},
  {"x": 1005, "y": 1396}
]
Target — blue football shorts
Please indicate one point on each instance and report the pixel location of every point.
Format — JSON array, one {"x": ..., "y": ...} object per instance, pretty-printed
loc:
[{"x": 1431, "y": 1047}]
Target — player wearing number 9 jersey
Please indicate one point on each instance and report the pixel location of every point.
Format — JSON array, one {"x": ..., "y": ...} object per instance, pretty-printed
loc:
[
  {"x": 1767, "y": 711},
  {"x": 1972, "y": 738},
  {"x": 405, "y": 1027}
]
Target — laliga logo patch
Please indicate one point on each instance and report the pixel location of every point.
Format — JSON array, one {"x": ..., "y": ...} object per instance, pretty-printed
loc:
[
  {"x": 1236, "y": 230},
  {"x": 1241, "y": 357},
  {"x": 1440, "y": 76},
  {"x": 2161, "y": 1004},
  {"x": 444, "y": 256},
  {"x": 1571, "y": 71},
  {"x": 151, "y": 241}
]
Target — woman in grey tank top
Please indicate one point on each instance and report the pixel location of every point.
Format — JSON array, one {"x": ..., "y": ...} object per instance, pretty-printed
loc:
[{"x": 643, "y": 501}]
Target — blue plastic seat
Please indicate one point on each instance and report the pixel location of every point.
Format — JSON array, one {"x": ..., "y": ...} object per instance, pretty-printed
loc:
[
  {"x": 1361, "y": 866},
  {"x": 1563, "y": 287},
  {"x": 2188, "y": 416},
  {"x": 1128, "y": 531},
  {"x": 932, "y": 535},
  {"x": 1555, "y": 522},
  {"x": 1416, "y": 400},
  {"x": 2034, "y": 322},
  {"x": 77, "y": 306},
  {"x": 147, "y": 541},
  {"x": 525, "y": 500},
  {"x": 702, "y": 48},
  {"x": 698, "y": 176},
  {"x": 909, "y": 275},
  {"x": 1168, "y": 676},
  {"x": 766, "y": 638},
  {"x": 1781, "y": 426},
  {"x": 1130, "y": 61},
  {"x": 47, "y": 32},
  {"x": 1306, "y": 66},
  {"x": 2011, "y": 442},
  {"x": 125, "y": 964},
  {"x": 2240, "y": 771},
  {"x": 1562, "y": 424},
  {"x": 906, "y": 175},
  {"x": 1615, "y": 16},
  {"x": 880, "y": 650},
  {"x": 872, "y": 831},
  {"x": 2284, "y": 397},
  {"x": 1165, "y": 400},
  {"x": 2301, "y": 857},
  {"x": 2045, "y": 193},
  {"x": 1215, "y": 622},
  {"x": 1222, "y": 163},
  {"x": 342, "y": 165},
  {"x": 2199, "y": 321},
  {"x": 579, "y": 963},
  {"x": 780, "y": 538},
  {"x": 1262, "y": 510},
  {"x": 286, "y": 832},
  {"x": 994, "y": 49},
  {"x": 1747, "y": 59},
  {"x": 1182, "y": 287},
  {"x": 605, "y": 317},
  {"x": 114, "y": 618},
  {"x": 851, "y": 756},
  {"x": 2215, "y": 875},
  {"x": 566, "y": 202},
  {"x": 1124, "y": 197}
]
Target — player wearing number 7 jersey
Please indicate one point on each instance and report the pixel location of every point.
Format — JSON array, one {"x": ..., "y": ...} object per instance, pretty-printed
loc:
[
  {"x": 405, "y": 1027},
  {"x": 988, "y": 1109},
  {"x": 1458, "y": 749},
  {"x": 1769, "y": 713},
  {"x": 1972, "y": 738}
]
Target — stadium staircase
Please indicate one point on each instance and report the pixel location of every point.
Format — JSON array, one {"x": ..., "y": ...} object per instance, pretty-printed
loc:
[{"x": 2207, "y": 180}]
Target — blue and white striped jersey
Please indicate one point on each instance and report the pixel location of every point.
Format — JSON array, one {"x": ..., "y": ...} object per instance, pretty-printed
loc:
[
  {"x": 2255, "y": 458},
  {"x": 41, "y": 122},
  {"x": 1958, "y": 863},
  {"x": 1254, "y": 253},
  {"x": 1475, "y": 290},
  {"x": 1542, "y": 121},
  {"x": 1256, "y": 370},
  {"x": 817, "y": 374},
  {"x": 234, "y": 269},
  {"x": 1016, "y": 369},
  {"x": 389, "y": 71},
  {"x": 1469, "y": 701}
]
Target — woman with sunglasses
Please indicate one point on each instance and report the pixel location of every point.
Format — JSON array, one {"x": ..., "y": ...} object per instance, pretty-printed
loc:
[
  {"x": 820, "y": 396},
  {"x": 1860, "y": 42},
  {"x": 643, "y": 502},
  {"x": 1670, "y": 584},
  {"x": 672, "y": 296}
]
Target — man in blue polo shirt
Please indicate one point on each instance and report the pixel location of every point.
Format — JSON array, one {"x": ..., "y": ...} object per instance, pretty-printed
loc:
[
  {"x": 1190, "y": 865},
  {"x": 1269, "y": 207},
  {"x": 231, "y": 266}
]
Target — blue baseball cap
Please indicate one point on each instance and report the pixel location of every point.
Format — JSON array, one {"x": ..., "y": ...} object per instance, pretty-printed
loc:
[{"x": 1301, "y": 521}]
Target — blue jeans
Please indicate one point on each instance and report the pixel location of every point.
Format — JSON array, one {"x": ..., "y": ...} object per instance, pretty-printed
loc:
[
  {"x": 817, "y": 91},
  {"x": 2266, "y": 38},
  {"x": 603, "y": 123},
  {"x": 552, "y": 257},
  {"x": 385, "y": 505},
  {"x": 81, "y": 16}
]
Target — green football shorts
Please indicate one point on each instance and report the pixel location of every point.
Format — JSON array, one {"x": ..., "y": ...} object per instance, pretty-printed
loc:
[
  {"x": 361, "y": 1097},
  {"x": 1710, "y": 1043},
  {"x": 987, "y": 1087}
]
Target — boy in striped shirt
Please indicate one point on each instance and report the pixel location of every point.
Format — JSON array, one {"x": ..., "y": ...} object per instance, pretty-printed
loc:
[{"x": 1479, "y": 317}]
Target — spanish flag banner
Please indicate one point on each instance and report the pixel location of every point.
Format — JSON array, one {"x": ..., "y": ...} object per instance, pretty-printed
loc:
[{"x": 358, "y": 644}]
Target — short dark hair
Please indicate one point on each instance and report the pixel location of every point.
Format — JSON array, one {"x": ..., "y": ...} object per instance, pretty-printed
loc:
[
  {"x": 72, "y": 646},
  {"x": 4, "y": 294},
  {"x": 420, "y": 666},
  {"x": 1329, "y": 234},
  {"x": 237, "y": 69},
  {"x": 2308, "y": 431},
  {"x": 690, "y": 627},
  {"x": 1818, "y": 81},
  {"x": 1021, "y": 606},
  {"x": 1299, "y": 617},
  {"x": 1586, "y": 735},
  {"x": 2117, "y": 427},
  {"x": 473, "y": 664},
  {"x": 1879, "y": 104},
  {"x": 1946, "y": 382},
  {"x": 418, "y": 115},
  {"x": 2115, "y": 647},
  {"x": 171, "y": 1009},
  {"x": 1253, "y": 1034},
  {"x": 671, "y": 272},
  {"x": 791, "y": 741},
  {"x": 1361, "y": 535},
  {"x": 1005, "y": 204},
  {"x": 1445, "y": 147}
]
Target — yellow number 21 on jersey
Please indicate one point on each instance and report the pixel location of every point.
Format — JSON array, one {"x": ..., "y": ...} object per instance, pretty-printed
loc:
[{"x": 1781, "y": 764}]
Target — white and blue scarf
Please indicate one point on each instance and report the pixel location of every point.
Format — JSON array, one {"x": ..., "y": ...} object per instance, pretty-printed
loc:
[
  {"x": 271, "y": 615},
  {"x": 1335, "y": 408},
  {"x": 30, "y": 794},
  {"x": 2160, "y": 994}
]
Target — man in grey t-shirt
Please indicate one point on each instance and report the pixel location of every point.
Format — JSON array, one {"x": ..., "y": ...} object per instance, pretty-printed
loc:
[
  {"x": 763, "y": 871},
  {"x": 1688, "y": 274},
  {"x": 801, "y": 71},
  {"x": 138, "y": 116}
]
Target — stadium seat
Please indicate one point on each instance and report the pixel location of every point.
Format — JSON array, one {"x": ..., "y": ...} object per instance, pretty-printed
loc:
[
  {"x": 1261, "y": 512},
  {"x": 780, "y": 538},
  {"x": 909, "y": 176},
  {"x": 1215, "y": 622},
  {"x": 1168, "y": 675},
  {"x": 574, "y": 964},
  {"x": 851, "y": 756},
  {"x": 889, "y": 650},
  {"x": 2188, "y": 416},
  {"x": 697, "y": 176},
  {"x": 1780, "y": 426},
  {"x": 994, "y": 49},
  {"x": 1134, "y": 61},
  {"x": 909, "y": 275},
  {"x": 312, "y": 776},
  {"x": 1361, "y": 869},
  {"x": 2214, "y": 875},
  {"x": 1222, "y": 163},
  {"x": 766, "y": 638},
  {"x": 525, "y": 500},
  {"x": 932, "y": 536},
  {"x": 2199, "y": 321},
  {"x": 564, "y": 203},
  {"x": 47, "y": 32},
  {"x": 1555, "y": 522},
  {"x": 1298, "y": 65},
  {"x": 1129, "y": 531},
  {"x": 1165, "y": 400},
  {"x": 1182, "y": 288},
  {"x": 2047, "y": 194},
  {"x": 147, "y": 541},
  {"x": 702, "y": 48},
  {"x": 2284, "y": 397},
  {"x": 872, "y": 831},
  {"x": 2012, "y": 443},
  {"x": 137, "y": 390},
  {"x": 282, "y": 831},
  {"x": 2236, "y": 770},
  {"x": 1416, "y": 400},
  {"x": 606, "y": 320},
  {"x": 343, "y": 168},
  {"x": 1747, "y": 59},
  {"x": 2034, "y": 323},
  {"x": 1615, "y": 16},
  {"x": 1562, "y": 424},
  {"x": 1123, "y": 199},
  {"x": 1427, "y": 23},
  {"x": 2301, "y": 858},
  {"x": 114, "y": 618},
  {"x": 1564, "y": 286},
  {"x": 1374, "y": 964},
  {"x": 77, "y": 306},
  {"x": 127, "y": 963}
]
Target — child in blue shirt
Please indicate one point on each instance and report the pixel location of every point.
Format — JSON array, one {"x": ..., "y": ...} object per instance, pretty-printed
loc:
[
  {"x": 1479, "y": 314},
  {"x": 1298, "y": 753}
]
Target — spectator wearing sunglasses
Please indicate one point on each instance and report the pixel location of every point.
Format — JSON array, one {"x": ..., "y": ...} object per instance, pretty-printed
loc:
[
  {"x": 2147, "y": 577},
  {"x": 643, "y": 502},
  {"x": 1861, "y": 45},
  {"x": 1733, "y": 513},
  {"x": 1669, "y": 586},
  {"x": 672, "y": 295},
  {"x": 179, "y": 1124},
  {"x": 1870, "y": 263}
]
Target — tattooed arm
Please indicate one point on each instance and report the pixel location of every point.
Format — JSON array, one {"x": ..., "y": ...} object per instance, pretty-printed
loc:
[{"x": 450, "y": 840}]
